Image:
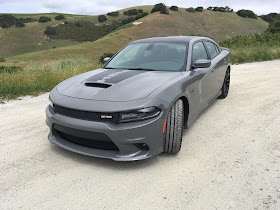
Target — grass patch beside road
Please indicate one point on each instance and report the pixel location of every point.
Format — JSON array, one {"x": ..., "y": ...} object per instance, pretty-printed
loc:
[
  {"x": 254, "y": 48},
  {"x": 36, "y": 79}
]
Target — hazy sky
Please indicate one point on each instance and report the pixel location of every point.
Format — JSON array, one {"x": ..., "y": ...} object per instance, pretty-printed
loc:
[{"x": 93, "y": 7}]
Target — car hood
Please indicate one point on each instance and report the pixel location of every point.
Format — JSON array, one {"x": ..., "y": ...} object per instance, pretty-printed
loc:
[{"x": 115, "y": 85}]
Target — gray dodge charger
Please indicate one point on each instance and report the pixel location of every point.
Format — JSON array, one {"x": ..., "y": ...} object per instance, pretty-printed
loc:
[{"x": 138, "y": 104}]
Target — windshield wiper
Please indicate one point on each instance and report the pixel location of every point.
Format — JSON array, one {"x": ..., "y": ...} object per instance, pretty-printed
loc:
[{"x": 142, "y": 69}]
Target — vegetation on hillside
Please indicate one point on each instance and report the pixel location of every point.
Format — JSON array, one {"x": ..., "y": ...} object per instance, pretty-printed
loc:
[
  {"x": 44, "y": 19},
  {"x": 220, "y": 9},
  {"x": 275, "y": 26},
  {"x": 161, "y": 8},
  {"x": 102, "y": 18},
  {"x": 132, "y": 12},
  {"x": 174, "y": 8},
  {"x": 246, "y": 13},
  {"x": 191, "y": 9},
  {"x": 79, "y": 31},
  {"x": 114, "y": 14},
  {"x": 59, "y": 17},
  {"x": 253, "y": 48},
  {"x": 6, "y": 21},
  {"x": 270, "y": 18}
]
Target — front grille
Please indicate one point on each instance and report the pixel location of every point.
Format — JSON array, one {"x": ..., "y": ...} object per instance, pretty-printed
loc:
[
  {"x": 87, "y": 115},
  {"x": 85, "y": 138}
]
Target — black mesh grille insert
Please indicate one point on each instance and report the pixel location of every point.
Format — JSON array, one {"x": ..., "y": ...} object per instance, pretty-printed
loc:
[
  {"x": 85, "y": 138},
  {"x": 87, "y": 115}
]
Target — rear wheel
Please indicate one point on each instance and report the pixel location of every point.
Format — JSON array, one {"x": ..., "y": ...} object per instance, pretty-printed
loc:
[
  {"x": 172, "y": 137},
  {"x": 225, "y": 87}
]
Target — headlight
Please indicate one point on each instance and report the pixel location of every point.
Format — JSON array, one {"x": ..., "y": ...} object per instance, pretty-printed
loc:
[
  {"x": 50, "y": 102},
  {"x": 140, "y": 114}
]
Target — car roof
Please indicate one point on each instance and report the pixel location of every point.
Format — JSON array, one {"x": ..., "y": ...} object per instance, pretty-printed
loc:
[{"x": 170, "y": 39}]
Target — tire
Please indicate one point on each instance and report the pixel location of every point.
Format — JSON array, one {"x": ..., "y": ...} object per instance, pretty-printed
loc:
[
  {"x": 225, "y": 87},
  {"x": 172, "y": 137}
]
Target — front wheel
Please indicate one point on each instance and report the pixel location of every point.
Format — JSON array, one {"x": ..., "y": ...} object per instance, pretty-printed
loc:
[
  {"x": 172, "y": 137},
  {"x": 225, "y": 87}
]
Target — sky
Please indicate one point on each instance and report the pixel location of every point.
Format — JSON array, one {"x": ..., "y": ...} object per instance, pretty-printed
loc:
[{"x": 96, "y": 7}]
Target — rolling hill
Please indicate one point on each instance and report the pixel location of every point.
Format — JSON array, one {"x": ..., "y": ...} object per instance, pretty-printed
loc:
[{"x": 18, "y": 44}]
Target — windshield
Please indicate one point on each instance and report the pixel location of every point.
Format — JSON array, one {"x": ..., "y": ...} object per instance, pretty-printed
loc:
[{"x": 151, "y": 56}]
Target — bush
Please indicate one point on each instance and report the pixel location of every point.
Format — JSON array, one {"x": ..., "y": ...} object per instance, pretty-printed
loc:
[
  {"x": 270, "y": 18},
  {"x": 2, "y": 59},
  {"x": 220, "y": 9},
  {"x": 274, "y": 27},
  {"x": 246, "y": 13},
  {"x": 113, "y": 13},
  {"x": 102, "y": 18},
  {"x": 105, "y": 55},
  {"x": 60, "y": 17},
  {"x": 50, "y": 30},
  {"x": 140, "y": 11},
  {"x": 80, "y": 31},
  {"x": 159, "y": 8},
  {"x": 191, "y": 9},
  {"x": 199, "y": 9},
  {"x": 131, "y": 12},
  {"x": 7, "y": 21},
  {"x": 10, "y": 69},
  {"x": 174, "y": 8},
  {"x": 164, "y": 10},
  {"x": 129, "y": 20},
  {"x": 44, "y": 19},
  {"x": 20, "y": 24}
]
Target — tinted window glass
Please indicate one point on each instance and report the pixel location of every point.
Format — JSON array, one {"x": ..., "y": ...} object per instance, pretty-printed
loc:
[
  {"x": 152, "y": 56},
  {"x": 198, "y": 52},
  {"x": 211, "y": 49},
  {"x": 217, "y": 49}
]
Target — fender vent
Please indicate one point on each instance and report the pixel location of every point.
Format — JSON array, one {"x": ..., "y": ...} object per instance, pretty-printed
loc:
[{"x": 98, "y": 85}]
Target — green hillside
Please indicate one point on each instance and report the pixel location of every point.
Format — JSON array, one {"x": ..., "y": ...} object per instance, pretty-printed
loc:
[{"x": 217, "y": 25}]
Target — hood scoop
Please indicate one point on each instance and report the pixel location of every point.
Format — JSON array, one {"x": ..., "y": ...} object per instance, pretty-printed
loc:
[{"x": 97, "y": 85}]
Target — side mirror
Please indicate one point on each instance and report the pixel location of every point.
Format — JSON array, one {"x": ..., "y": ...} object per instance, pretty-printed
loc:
[
  {"x": 105, "y": 60},
  {"x": 202, "y": 63}
]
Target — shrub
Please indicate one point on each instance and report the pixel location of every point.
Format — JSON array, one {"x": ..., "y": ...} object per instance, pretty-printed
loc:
[
  {"x": 10, "y": 69},
  {"x": 220, "y": 9},
  {"x": 199, "y": 9},
  {"x": 44, "y": 19},
  {"x": 140, "y": 11},
  {"x": 105, "y": 55},
  {"x": 50, "y": 30},
  {"x": 20, "y": 24},
  {"x": 246, "y": 13},
  {"x": 60, "y": 17},
  {"x": 102, "y": 18},
  {"x": 164, "y": 10},
  {"x": 2, "y": 59},
  {"x": 131, "y": 12},
  {"x": 271, "y": 17},
  {"x": 113, "y": 13},
  {"x": 274, "y": 27},
  {"x": 159, "y": 7},
  {"x": 80, "y": 31},
  {"x": 191, "y": 9},
  {"x": 174, "y": 8},
  {"x": 209, "y": 8}
]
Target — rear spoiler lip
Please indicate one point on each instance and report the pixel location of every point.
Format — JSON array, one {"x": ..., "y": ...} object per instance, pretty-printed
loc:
[{"x": 224, "y": 48}]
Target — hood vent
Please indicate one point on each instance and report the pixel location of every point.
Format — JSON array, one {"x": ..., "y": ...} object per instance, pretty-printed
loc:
[{"x": 98, "y": 85}]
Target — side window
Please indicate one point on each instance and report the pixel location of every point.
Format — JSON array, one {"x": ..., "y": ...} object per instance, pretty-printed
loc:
[
  {"x": 217, "y": 49},
  {"x": 211, "y": 49},
  {"x": 198, "y": 52}
]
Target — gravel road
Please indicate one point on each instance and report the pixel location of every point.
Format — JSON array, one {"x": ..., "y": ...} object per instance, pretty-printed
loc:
[{"x": 230, "y": 158}]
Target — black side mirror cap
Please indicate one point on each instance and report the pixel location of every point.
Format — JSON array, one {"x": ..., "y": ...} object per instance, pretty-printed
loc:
[{"x": 202, "y": 63}]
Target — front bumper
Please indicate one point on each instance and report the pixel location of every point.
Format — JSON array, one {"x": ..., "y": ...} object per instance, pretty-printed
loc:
[{"x": 128, "y": 137}]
